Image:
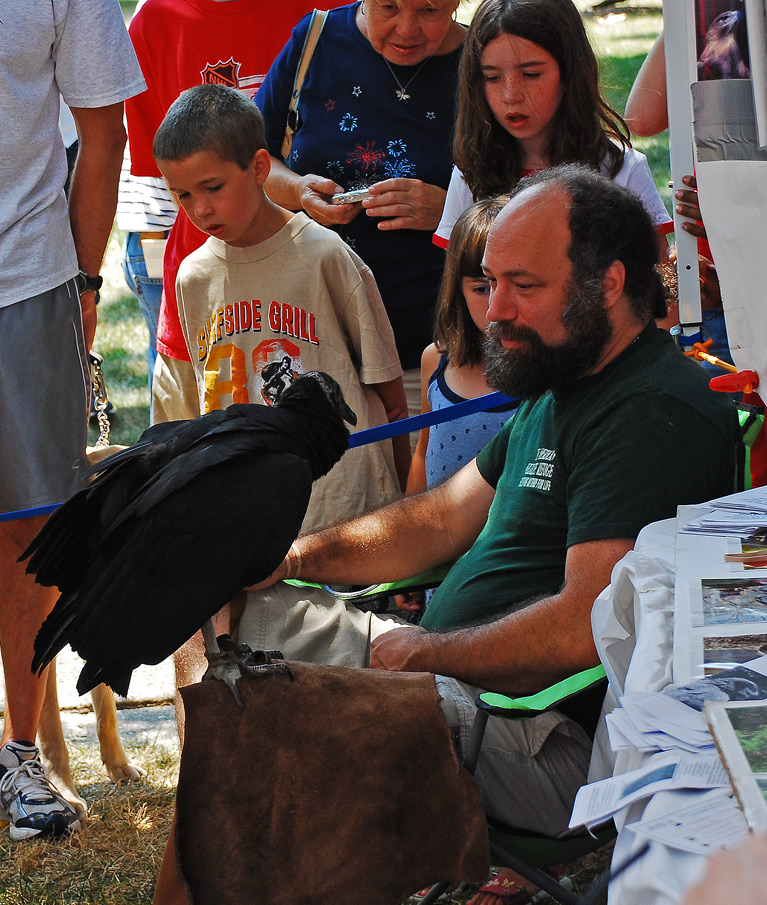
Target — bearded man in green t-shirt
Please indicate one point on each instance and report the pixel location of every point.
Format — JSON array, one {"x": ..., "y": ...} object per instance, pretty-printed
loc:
[{"x": 617, "y": 430}]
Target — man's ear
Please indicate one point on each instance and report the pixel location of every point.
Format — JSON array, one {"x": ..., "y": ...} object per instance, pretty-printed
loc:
[
  {"x": 262, "y": 165},
  {"x": 613, "y": 283}
]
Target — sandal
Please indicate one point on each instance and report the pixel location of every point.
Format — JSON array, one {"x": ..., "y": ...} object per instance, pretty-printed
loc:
[{"x": 507, "y": 888}]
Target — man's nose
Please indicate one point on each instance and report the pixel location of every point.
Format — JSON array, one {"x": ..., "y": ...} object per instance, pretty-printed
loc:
[{"x": 502, "y": 306}]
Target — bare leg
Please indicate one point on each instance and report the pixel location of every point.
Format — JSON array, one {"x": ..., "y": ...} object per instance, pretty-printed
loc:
[
  {"x": 170, "y": 888},
  {"x": 23, "y": 607}
]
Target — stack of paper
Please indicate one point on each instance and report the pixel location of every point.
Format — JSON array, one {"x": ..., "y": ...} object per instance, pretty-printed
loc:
[
  {"x": 599, "y": 800},
  {"x": 738, "y": 514},
  {"x": 712, "y": 821},
  {"x": 657, "y": 722}
]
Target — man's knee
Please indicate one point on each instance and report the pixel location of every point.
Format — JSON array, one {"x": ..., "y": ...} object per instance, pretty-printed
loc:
[{"x": 310, "y": 625}]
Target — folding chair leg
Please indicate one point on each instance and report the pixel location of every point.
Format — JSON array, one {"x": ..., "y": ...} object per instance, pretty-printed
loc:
[
  {"x": 475, "y": 741},
  {"x": 541, "y": 879}
]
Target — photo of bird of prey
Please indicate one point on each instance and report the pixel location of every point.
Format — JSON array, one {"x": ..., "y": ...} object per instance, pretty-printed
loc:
[
  {"x": 721, "y": 57},
  {"x": 176, "y": 525}
]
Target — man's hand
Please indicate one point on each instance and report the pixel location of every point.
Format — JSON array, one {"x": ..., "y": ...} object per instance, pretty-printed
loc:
[
  {"x": 398, "y": 649},
  {"x": 90, "y": 318},
  {"x": 410, "y": 203},
  {"x": 279, "y": 573},
  {"x": 734, "y": 876},
  {"x": 710, "y": 290}
]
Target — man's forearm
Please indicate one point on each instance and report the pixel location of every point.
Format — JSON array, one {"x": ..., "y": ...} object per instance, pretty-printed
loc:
[
  {"x": 402, "y": 539},
  {"x": 517, "y": 655},
  {"x": 392, "y": 543},
  {"x": 524, "y": 651},
  {"x": 93, "y": 195}
]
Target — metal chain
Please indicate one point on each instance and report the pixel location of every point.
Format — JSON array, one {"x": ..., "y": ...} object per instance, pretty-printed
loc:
[{"x": 100, "y": 400}]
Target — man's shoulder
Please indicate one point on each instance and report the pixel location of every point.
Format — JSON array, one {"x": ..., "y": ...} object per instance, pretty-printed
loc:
[{"x": 646, "y": 385}]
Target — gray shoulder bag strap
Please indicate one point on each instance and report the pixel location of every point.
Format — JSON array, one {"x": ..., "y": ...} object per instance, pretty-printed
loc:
[{"x": 310, "y": 45}]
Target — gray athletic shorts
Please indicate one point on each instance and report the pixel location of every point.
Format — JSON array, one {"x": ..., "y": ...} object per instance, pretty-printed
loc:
[
  {"x": 44, "y": 398},
  {"x": 529, "y": 770}
]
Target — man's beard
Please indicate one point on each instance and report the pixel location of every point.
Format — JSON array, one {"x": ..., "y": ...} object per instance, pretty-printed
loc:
[{"x": 530, "y": 371}]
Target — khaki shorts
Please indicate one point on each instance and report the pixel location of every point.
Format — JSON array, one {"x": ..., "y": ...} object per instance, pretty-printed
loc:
[
  {"x": 44, "y": 399},
  {"x": 529, "y": 770}
]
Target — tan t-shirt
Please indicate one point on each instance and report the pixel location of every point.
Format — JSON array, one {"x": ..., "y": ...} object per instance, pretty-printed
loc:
[{"x": 256, "y": 318}]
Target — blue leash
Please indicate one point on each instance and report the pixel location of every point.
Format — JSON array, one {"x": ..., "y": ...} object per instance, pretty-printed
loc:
[
  {"x": 428, "y": 419},
  {"x": 360, "y": 438}
]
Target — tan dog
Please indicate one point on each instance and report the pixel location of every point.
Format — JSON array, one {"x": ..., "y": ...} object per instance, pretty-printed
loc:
[
  {"x": 51, "y": 735},
  {"x": 54, "y": 749}
]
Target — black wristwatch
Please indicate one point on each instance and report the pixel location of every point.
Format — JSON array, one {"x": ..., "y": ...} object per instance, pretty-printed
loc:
[{"x": 88, "y": 283}]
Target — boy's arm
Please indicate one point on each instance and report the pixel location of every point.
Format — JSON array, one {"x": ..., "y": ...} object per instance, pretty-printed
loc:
[
  {"x": 179, "y": 378},
  {"x": 392, "y": 395}
]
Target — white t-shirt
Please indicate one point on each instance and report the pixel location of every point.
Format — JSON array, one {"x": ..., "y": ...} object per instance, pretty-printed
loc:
[
  {"x": 255, "y": 318},
  {"x": 635, "y": 175},
  {"x": 78, "y": 50}
]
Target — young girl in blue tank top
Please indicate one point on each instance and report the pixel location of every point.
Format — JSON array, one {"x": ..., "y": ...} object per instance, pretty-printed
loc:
[{"x": 452, "y": 367}]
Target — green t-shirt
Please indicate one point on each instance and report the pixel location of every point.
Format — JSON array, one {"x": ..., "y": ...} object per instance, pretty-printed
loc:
[{"x": 597, "y": 459}]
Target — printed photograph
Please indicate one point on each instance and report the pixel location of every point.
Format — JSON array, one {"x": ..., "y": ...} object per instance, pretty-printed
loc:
[
  {"x": 737, "y": 684},
  {"x": 722, "y": 42},
  {"x": 750, "y": 726},
  {"x": 727, "y": 652},
  {"x": 734, "y": 600}
]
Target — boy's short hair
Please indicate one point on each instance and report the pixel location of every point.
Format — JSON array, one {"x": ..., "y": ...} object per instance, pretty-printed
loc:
[{"x": 211, "y": 118}]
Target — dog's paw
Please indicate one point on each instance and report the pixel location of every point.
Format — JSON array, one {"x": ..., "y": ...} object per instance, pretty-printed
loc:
[
  {"x": 68, "y": 792},
  {"x": 125, "y": 772}
]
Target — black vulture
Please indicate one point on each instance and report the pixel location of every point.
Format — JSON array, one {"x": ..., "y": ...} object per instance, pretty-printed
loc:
[{"x": 174, "y": 526}]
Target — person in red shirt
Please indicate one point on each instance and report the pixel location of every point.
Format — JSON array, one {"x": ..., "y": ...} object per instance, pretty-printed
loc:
[{"x": 181, "y": 43}]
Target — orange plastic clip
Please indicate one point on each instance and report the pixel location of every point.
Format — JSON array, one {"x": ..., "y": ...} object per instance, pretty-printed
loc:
[{"x": 739, "y": 382}]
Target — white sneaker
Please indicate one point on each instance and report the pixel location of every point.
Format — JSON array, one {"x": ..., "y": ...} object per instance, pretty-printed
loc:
[{"x": 28, "y": 801}]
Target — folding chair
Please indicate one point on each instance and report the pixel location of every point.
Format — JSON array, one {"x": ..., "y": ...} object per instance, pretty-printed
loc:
[{"x": 523, "y": 851}]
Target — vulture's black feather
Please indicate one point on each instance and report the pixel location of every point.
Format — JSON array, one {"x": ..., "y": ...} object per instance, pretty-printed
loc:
[{"x": 174, "y": 526}]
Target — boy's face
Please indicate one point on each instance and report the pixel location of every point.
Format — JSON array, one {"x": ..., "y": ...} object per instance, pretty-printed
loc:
[{"x": 220, "y": 198}]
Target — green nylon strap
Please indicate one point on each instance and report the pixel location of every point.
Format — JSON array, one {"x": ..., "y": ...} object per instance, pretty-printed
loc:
[
  {"x": 428, "y": 579},
  {"x": 550, "y": 696}
]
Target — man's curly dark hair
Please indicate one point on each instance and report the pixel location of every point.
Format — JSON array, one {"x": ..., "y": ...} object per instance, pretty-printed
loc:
[{"x": 608, "y": 223}]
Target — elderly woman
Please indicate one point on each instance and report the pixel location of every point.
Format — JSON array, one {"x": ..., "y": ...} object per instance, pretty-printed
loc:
[{"x": 376, "y": 110}]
